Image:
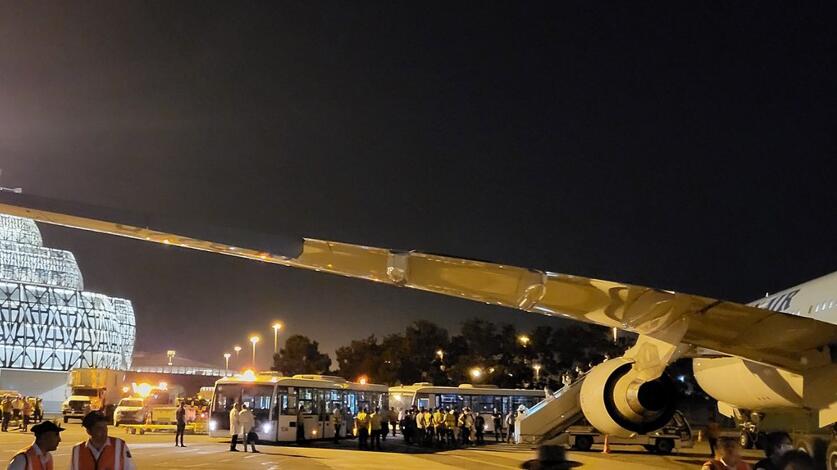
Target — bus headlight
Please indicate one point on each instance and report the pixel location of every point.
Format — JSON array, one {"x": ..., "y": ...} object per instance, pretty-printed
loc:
[
  {"x": 213, "y": 425},
  {"x": 266, "y": 427}
]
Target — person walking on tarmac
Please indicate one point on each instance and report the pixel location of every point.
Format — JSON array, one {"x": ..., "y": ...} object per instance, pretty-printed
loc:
[
  {"x": 375, "y": 421},
  {"x": 180, "y": 417},
  {"x": 247, "y": 422},
  {"x": 37, "y": 456},
  {"x": 100, "y": 452},
  {"x": 235, "y": 427},
  {"x": 362, "y": 426}
]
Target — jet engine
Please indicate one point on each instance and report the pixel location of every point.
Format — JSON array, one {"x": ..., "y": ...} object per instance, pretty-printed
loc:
[{"x": 617, "y": 401}]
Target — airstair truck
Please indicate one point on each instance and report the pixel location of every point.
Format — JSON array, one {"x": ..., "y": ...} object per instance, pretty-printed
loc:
[{"x": 92, "y": 390}]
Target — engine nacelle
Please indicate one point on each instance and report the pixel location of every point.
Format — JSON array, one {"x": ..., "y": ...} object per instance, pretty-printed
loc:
[{"x": 616, "y": 401}]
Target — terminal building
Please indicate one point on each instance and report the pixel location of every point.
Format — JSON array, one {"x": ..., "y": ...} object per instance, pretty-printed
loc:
[{"x": 48, "y": 323}]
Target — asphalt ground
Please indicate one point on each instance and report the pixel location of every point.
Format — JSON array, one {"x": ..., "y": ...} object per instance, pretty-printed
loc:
[{"x": 157, "y": 451}]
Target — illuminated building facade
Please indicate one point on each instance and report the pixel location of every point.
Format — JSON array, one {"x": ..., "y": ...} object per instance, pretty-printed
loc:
[{"x": 47, "y": 321}]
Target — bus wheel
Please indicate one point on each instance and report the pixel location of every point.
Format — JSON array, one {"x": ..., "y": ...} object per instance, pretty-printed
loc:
[
  {"x": 664, "y": 446},
  {"x": 831, "y": 456},
  {"x": 583, "y": 443}
]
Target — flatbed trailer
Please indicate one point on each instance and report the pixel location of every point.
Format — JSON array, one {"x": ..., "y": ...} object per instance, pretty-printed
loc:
[{"x": 191, "y": 428}]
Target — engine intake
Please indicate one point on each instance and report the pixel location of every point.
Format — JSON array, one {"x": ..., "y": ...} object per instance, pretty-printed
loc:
[{"x": 615, "y": 400}]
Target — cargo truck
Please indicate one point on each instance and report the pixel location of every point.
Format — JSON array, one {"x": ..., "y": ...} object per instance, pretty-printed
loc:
[{"x": 92, "y": 390}]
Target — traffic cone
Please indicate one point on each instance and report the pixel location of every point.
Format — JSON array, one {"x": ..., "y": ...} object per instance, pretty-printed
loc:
[{"x": 606, "y": 448}]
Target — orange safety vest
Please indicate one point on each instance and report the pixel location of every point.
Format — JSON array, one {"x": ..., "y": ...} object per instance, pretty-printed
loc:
[
  {"x": 33, "y": 462},
  {"x": 112, "y": 457}
]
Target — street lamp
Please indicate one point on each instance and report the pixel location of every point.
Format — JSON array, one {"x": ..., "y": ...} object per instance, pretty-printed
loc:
[
  {"x": 476, "y": 373},
  {"x": 524, "y": 340},
  {"x": 537, "y": 368},
  {"x": 170, "y": 354},
  {"x": 227, "y": 363},
  {"x": 441, "y": 355},
  {"x": 276, "y": 327},
  {"x": 254, "y": 339}
]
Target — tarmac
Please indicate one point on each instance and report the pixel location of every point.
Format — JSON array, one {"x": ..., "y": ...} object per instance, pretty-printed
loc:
[{"x": 157, "y": 451}]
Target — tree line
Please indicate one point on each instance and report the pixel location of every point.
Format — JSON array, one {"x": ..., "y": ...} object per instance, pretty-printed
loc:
[{"x": 483, "y": 352}]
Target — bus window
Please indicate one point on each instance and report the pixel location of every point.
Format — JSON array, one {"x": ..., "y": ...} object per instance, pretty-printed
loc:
[
  {"x": 226, "y": 396},
  {"x": 402, "y": 401},
  {"x": 307, "y": 401},
  {"x": 423, "y": 401},
  {"x": 448, "y": 400},
  {"x": 482, "y": 403},
  {"x": 333, "y": 399},
  {"x": 258, "y": 398},
  {"x": 282, "y": 405}
]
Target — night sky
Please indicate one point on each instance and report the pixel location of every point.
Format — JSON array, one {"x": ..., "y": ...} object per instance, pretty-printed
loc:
[{"x": 680, "y": 145}]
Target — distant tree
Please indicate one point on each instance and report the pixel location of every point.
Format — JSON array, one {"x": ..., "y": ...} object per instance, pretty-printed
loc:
[{"x": 301, "y": 356}]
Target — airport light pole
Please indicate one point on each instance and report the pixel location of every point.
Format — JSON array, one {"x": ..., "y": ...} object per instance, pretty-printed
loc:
[
  {"x": 276, "y": 327},
  {"x": 524, "y": 340},
  {"x": 237, "y": 349},
  {"x": 227, "y": 363},
  {"x": 254, "y": 339},
  {"x": 537, "y": 368}
]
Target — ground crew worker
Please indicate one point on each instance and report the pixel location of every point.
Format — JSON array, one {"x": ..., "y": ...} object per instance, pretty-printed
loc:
[
  {"x": 450, "y": 425},
  {"x": 27, "y": 414},
  {"x": 37, "y": 456},
  {"x": 362, "y": 426},
  {"x": 180, "y": 417},
  {"x": 439, "y": 426},
  {"x": 420, "y": 427},
  {"x": 427, "y": 416},
  {"x": 7, "y": 409},
  {"x": 100, "y": 452},
  {"x": 375, "y": 428}
]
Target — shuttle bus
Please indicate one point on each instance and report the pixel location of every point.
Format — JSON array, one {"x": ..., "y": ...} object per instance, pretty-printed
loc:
[
  {"x": 288, "y": 408},
  {"x": 482, "y": 399}
]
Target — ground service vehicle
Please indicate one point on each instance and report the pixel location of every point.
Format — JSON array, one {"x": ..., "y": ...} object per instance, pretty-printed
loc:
[
  {"x": 129, "y": 411},
  {"x": 482, "y": 399},
  {"x": 92, "y": 390},
  {"x": 675, "y": 435},
  {"x": 289, "y": 409},
  {"x": 774, "y": 356}
]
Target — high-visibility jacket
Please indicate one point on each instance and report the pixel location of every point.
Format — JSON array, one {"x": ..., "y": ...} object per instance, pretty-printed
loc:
[
  {"x": 113, "y": 456},
  {"x": 375, "y": 422},
  {"x": 438, "y": 419},
  {"x": 362, "y": 421},
  {"x": 450, "y": 420},
  {"x": 33, "y": 462}
]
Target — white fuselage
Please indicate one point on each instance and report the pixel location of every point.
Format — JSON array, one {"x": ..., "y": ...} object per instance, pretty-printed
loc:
[{"x": 738, "y": 383}]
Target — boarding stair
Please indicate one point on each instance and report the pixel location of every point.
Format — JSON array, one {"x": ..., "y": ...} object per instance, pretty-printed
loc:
[{"x": 553, "y": 415}]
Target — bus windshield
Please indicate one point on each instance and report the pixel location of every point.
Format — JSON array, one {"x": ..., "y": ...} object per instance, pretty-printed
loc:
[{"x": 256, "y": 397}]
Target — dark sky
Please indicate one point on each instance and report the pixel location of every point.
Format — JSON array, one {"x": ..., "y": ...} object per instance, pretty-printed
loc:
[{"x": 682, "y": 145}]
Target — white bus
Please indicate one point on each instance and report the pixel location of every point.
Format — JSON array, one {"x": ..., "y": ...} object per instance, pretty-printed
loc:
[
  {"x": 482, "y": 399},
  {"x": 287, "y": 408}
]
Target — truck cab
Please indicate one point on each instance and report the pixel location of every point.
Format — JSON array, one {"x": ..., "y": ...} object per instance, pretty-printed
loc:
[{"x": 81, "y": 401}]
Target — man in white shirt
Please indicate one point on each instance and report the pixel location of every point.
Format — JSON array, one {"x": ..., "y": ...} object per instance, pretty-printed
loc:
[
  {"x": 235, "y": 427},
  {"x": 47, "y": 438}
]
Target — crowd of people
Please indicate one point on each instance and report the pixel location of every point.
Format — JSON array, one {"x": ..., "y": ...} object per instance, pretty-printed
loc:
[
  {"x": 21, "y": 409},
  {"x": 779, "y": 455},
  {"x": 452, "y": 427}
]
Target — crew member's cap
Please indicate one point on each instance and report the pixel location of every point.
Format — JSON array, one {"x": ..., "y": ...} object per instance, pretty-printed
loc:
[{"x": 46, "y": 426}]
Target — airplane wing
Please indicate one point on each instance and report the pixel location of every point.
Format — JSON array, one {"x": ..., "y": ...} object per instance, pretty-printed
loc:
[{"x": 787, "y": 341}]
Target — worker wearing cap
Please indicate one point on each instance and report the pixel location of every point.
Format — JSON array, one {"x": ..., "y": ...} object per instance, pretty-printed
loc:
[
  {"x": 100, "y": 452},
  {"x": 37, "y": 456}
]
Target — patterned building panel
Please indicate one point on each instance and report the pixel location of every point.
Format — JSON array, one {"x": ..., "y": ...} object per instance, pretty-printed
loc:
[{"x": 47, "y": 322}]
